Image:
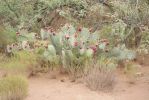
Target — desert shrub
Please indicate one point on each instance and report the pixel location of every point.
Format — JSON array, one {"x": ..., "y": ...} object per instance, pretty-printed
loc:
[
  {"x": 101, "y": 75},
  {"x": 27, "y": 63},
  {"x": 7, "y": 35},
  {"x": 34, "y": 14},
  {"x": 144, "y": 46},
  {"x": 130, "y": 68},
  {"x": 20, "y": 63},
  {"x": 20, "y": 60},
  {"x": 13, "y": 88}
]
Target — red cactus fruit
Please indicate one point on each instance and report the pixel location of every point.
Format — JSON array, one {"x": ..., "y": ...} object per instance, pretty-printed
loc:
[
  {"x": 94, "y": 48},
  {"x": 75, "y": 43},
  {"x": 107, "y": 43},
  {"x": 79, "y": 29},
  {"x": 67, "y": 36},
  {"x": 91, "y": 30},
  {"x": 17, "y": 33}
]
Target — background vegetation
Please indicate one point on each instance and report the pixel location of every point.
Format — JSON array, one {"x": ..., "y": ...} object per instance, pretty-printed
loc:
[{"x": 85, "y": 38}]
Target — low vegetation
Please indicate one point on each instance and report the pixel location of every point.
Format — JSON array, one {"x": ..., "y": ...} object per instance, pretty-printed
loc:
[
  {"x": 87, "y": 39},
  {"x": 13, "y": 88},
  {"x": 101, "y": 75}
]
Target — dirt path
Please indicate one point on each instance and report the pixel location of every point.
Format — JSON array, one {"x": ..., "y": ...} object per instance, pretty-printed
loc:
[
  {"x": 42, "y": 89},
  {"x": 54, "y": 89}
]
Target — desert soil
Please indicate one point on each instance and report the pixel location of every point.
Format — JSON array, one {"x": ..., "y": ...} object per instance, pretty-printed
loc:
[{"x": 126, "y": 88}]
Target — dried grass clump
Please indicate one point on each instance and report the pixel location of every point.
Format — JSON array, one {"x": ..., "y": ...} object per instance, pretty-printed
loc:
[
  {"x": 101, "y": 77},
  {"x": 13, "y": 88}
]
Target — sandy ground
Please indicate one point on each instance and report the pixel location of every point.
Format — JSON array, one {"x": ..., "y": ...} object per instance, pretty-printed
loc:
[{"x": 44, "y": 88}]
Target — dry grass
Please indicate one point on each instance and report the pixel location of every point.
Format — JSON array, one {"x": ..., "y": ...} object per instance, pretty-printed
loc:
[
  {"x": 13, "y": 88},
  {"x": 101, "y": 76}
]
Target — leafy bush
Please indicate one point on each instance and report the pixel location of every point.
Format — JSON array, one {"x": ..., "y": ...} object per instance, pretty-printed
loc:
[{"x": 13, "y": 88}]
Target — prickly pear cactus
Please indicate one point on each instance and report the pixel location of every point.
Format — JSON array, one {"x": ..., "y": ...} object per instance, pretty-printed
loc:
[
  {"x": 76, "y": 45},
  {"x": 122, "y": 53},
  {"x": 69, "y": 45}
]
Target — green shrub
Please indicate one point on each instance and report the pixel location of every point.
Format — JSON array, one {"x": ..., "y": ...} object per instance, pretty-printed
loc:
[
  {"x": 6, "y": 36},
  {"x": 21, "y": 63},
  {"x": 130, "y": 68},
  {"x": 13, "y": 88},
  {"x": 20, "y": 60}
]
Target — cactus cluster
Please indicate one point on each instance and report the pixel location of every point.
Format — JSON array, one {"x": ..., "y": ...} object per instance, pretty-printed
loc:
[
  {"x": 69, "y": 46},
  {"x": 75, "y": 45}
]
